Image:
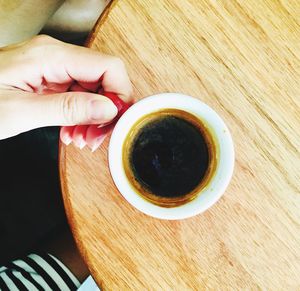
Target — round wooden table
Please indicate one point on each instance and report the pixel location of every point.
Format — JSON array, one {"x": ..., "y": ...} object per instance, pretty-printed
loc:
[{"x": 243, "y": 59}]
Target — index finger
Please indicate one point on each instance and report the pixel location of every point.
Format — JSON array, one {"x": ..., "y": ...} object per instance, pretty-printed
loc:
[
  {"x": 90, "y": 66},
  {"x": 65, "y": 61}
]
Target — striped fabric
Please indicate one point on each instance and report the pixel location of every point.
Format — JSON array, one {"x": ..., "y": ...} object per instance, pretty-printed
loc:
[{"x": 37, "y": 272}]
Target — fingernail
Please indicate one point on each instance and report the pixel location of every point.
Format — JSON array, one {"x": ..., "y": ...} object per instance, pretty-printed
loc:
[
  {"x": 97, "y": 143},
  {"x": 66, "y": 140},
  {"x": 102, "y": 111},
  {"x": 105, "y": 124},
  {"x": 80, "y": 143}
]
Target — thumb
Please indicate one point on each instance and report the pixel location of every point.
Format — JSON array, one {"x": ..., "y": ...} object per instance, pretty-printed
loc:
[{"x": 71, "y": 108}]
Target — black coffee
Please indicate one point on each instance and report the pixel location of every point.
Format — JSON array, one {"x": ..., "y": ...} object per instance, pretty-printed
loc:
[{"x": 167, "y": 156}]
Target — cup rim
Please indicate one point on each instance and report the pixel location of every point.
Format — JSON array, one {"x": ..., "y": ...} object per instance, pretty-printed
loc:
[{"x": 225, "y": 164}]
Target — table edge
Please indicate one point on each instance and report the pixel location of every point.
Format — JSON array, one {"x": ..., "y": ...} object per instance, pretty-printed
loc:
[
  {"x": 102, "y": 18},
  {"x": 62, "y": 166}
]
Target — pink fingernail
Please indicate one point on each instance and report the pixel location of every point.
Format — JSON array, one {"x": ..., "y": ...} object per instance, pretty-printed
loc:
[
  {"x": 97, "y": 143},
  {"x": 80, "y": 143},
  {"x": 66, "y": 140}
]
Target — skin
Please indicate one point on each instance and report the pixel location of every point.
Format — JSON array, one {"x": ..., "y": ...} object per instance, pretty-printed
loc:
[
  {"x": 45, "y": 82},
  {"x": 74, "y": 19},
  {"x": 20, "y": 20},
  {"x": 64, "y": 19}
]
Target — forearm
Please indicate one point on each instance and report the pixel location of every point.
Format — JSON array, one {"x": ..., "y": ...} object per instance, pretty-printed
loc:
[
  {"x": 20, "y": 20},
  {"x": 75, "y": 18}
]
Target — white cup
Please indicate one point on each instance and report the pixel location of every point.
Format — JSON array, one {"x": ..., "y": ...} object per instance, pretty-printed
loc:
[{"x": 222, "y": 139}]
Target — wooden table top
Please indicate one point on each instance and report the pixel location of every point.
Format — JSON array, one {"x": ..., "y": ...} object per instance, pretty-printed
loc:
[{"x": 243, "y": 59}]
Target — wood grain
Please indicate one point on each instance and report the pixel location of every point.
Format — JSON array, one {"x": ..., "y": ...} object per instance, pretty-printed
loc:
[{"x": 243, "y": 59}]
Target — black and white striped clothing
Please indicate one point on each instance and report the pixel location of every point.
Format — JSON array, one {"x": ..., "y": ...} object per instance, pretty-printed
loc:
[{"x": 37, "y": 272}]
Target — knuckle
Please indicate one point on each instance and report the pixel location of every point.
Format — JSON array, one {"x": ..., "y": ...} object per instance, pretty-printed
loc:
[
  {"x": 41, "y": 47},
  {"x": 70, "y": 110},
  {"x": 42, "y": 39},
  {"x": 118, "y": 62},
  {"x": 130, "y": 91}
]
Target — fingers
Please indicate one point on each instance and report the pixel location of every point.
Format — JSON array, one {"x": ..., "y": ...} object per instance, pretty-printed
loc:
[
  {"x": 70, "y": 108},
  {"x": 66, "y": 134},
  {"x": 115, "y": 79},
  {"x": 119, "y": 103},
  {"x": 83, "y": 135},
  {"x": 37, "y": 72},
  {"x": 90, "y": 86},
  {"x": 87, "y": 66},
  {"x": 90, "y": 69},
  {"x": 44, "y": 59},
  {"x": 76, "y": 87},
  {"x": 64, "y": 109},
  {"x": 79, "y": 136},
  {"x": 95, "y": 136}
]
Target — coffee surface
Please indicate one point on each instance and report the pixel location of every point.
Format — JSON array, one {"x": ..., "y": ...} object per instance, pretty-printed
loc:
[{"x": 169, "y": 156}]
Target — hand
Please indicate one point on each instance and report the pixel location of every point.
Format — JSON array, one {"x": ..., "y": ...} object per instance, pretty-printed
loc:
[{"x": 45, "y": 82}]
